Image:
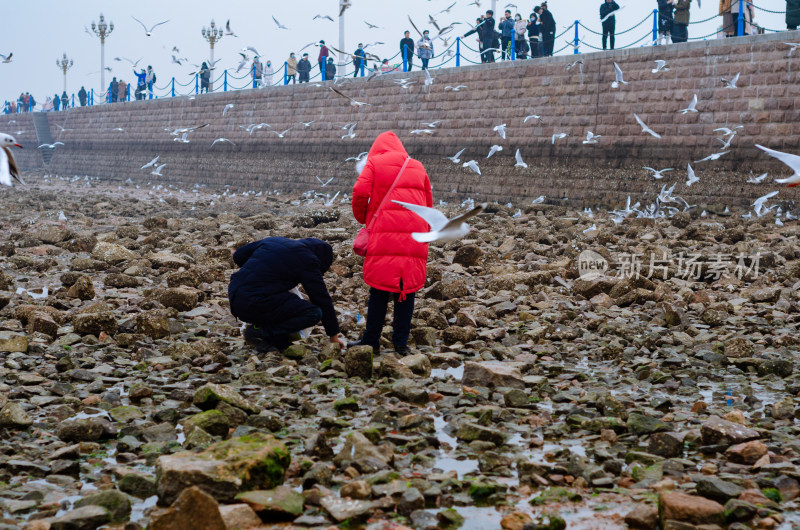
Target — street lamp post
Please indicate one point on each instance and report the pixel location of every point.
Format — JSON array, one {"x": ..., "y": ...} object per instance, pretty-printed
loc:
[
  {"x": 212, "y": 35},
  {"x": 341, "y": 37},
  {"x": 102, "y": 30},
  {"x": 64, "y": 64}
]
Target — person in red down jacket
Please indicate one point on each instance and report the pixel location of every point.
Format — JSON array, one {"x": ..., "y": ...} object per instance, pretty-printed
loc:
[{"x": 395, "y": 265}]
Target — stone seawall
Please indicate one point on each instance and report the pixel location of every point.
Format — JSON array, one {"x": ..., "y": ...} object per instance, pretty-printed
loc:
[{"x": 570, "y": 100}]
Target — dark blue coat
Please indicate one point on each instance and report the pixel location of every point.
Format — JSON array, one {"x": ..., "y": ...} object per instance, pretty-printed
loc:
[{"x": 270, "y": 268}]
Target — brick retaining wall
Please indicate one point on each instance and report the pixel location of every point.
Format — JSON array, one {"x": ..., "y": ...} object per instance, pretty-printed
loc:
[{"x": 572, "y": 101}]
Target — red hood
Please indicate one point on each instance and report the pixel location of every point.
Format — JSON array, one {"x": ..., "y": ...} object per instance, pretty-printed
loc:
[{"x": 385, "y": 143}]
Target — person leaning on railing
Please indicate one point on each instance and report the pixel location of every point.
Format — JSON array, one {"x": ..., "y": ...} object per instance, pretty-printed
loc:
[
  {"x": 792, "y": 14},
  {"x": 291, "y": 69}
]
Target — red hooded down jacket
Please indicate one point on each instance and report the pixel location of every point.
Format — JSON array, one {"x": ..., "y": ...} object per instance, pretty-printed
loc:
[{"x": 395, "y": 262}]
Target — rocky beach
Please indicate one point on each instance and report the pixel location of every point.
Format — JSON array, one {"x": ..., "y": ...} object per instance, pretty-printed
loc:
[{"x": 638, "y": 375}]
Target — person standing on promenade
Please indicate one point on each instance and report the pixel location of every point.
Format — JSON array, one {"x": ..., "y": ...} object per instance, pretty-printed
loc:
[
  {"x": 609, "y": 21},
  {"x": 407, "y": 50},
  {"x": 304, "y": 69},
  {"x": 548, "y": 30},
  {"x": 680, "y": 24}
]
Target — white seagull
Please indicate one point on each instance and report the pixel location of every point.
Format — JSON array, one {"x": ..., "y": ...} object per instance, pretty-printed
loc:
[
  {"x": 658, "y": 174},
  {"x": 532, "y": 117},
  {"x": 493, "y": 150},
  {"x": 758, "y": 204},
  {"x": 323, "y": 16},
  {"x": 228, "y": 107},
  {"x": 8, "y": 166},
  {"x": 692, "y": 106},
  {"x": 455, "y": 88},
  {"x": 151, "y": 163},
  {"x": 618, "y": 77},
  {"x": 422, "y": 131},
  {"x": 455, "y": 158},
  {"x": 558, "y": 136},
  {"x": 6, "y": 58},
  {"x": 149, "y": 31},
  {"x": 473, "y": 166},
  {"x": 692, "y": 177},
  {"x": 645, "y": 128},
  {"x": 323, "y": 184},
  {"x": 757, "y": 180},
  {"x": 222, "y": 140},
  {"x": 713, "y": 156},
  {"x": 51, "y": 146},
  {"x": 792, "y": 45},
  {"x": 350, "y": 133},
  {"x": 501, "y": 130},
  {"x": 660, "y": 65},
  {"x": 519, "y": 163},
  {"x": 591, "y": 138},
  {"x": 157, "y": 171},
  {"x": 442, "y": 228},
  {"x": 793, "y": 161},
  {"x": 732, "y": 82},
  {"x": 280, "y": 26}
]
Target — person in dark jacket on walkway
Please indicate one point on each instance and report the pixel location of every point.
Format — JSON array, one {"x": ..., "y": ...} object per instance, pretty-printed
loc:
[
  {"x": 205, "y": 77},
  {"x": 533, "y": 33},
  {"x": 82, "y": 96},
  {"x": 64, "y": 100},
  {"x": 489, "y": 37},
  {"x": 322, "y": 59},
  {"x": 477, "y": 29},
  {"x": 792, "y": 14},
  {"x": 407, "y": 50},
  {"x": 304, "y": 69},
  {"x": 260, "y": 292},
  {"x": 113, "y": 91},
  {"x": 56, "y": 103},
  {"x": 506, "y": 28},
  {"x": 330, "y": 70},
  {"x": 548, "y": 30},
  {"x": 609, "y": 21},
  {"x": 665, "y": 19},
  {"x": 358, "y": 59},
  {"x": 680, "y": 24},
  {"x": 141, "y": 84}
]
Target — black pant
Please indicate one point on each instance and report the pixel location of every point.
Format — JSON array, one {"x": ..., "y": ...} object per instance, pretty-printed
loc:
[
  {"x": 424, "y": 63},
  {"x": 505, "y": 50},
  {"x": 376, "y": 316},
  {"x": 791, "y": 26},
  {"x": 680, "y": 32},
  {"x": 548, "y": 41},
  {"x": 410, "y": 61},
  {"x": 279, "y": 333},
  {"x": 608, "y": 32},
  {"x": 536, "y": 47},
  {"x": 487, "y": 55},
  {"x": 304, "y": 76},
  {"x": 357, "y": 63},
  {"x": 290, "y": 78}
]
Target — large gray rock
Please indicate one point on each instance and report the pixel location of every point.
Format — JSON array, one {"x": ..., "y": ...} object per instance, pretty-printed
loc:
[
  {"x": 717, "y": 489},
  {"x": 493, "y": 374},
  {"x": 716, "y": 431},
  {"x": 359, "y": 452},
  {"x": 13, "y": 416},
  {"x": 207, "y": 396},
  {"x": 358, "y": 362},
  {"x": 83, "y": 518},
  {"x": 112, "y": 253},
  {"x": 85, "y": 430},
  {"x": 192, "y": 510}
]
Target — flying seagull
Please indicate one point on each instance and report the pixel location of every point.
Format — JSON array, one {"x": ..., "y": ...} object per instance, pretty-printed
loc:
[
  {"x": 323, "y": 184},
  {"x": 591, "y": 138},
  {"x": 501, "y": 130},
  {"x": 51, "y": 146},
  {"x": 228, "y": 30},
  {"x": 371, "y": 26},
  {"x": 757, "y": 180},
  {"x": 280, "y": 26},
  {"x": 618, "y": 77},
  {"x": 353, "y": 102},
  {"x": 151, "y": 163},
  {"x": 422, "y": 131},
  {"x": 228, "y": 107},
  {"x": 455, "y": 88},
  {"x": 221, "y": 140},
  {"x": 645, "y": 128},
  {"x": 713, "y": 156},
  {"x": 493, "y": 150},
  {"x": 658, "y": 174},
  {"x": 732, "y": 82},
  {"x": 660, "y": 65},
  {"x": 157, "y": 171},
  {"x": 350, "y": 133},
  {"x": 8, "y": 166},
  {"x": 558, "y": 136},
  {"x": 6, "y": 58},
  {"x": 323, "y": 16},
  {"x": 473, "y": 166},
  {"x": 532, "y": 117},
  {"x": 792, "y": 45},
  {"x": 442, "y": 228},
  {"x": 793, "y": 161},
  {"x": 692, "y": 177},
  {"x": 147, "y": 31},
  {"x": 455, "y": 158},
  {"x": 692, "y": 106},
  {"x": 519, "y": 163}
]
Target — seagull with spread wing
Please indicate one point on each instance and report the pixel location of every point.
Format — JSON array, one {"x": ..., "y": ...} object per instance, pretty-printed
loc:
[
  {"x": 353, "y": 102},
  {"x": 442, "y": 228},
  {"x": 149, "y": 31},
  {"x": 645, "y": 128}
]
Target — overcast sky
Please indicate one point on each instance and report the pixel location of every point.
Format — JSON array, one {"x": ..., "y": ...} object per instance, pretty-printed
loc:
[{"x": 42, "y": 30}]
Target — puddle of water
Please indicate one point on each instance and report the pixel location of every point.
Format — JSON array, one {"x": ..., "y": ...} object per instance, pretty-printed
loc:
[
  {"x": 181, "y": 434},
  {"x": 457, "y": 372},
  {"x": 462, "y": 467},
  {"x": 67, "y": 503},
  {"x": 138, "y": 509},
  {"x": 477, "y": 518},
  {"x": 439, "y": 424}
]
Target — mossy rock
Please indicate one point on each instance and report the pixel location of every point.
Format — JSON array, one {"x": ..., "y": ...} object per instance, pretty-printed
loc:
[
  {"x": 117, "y": 503},
  {"x": 345, "y": 404},
  {"x": 214, "y": 422}
]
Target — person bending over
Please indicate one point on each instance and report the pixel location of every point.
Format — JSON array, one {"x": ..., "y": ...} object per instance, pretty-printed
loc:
[{"x": 261, "y": 293}]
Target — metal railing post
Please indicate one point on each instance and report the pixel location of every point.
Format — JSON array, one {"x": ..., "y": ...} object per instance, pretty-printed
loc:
[
  {"x": 285, "y": 72},
  {"x": 740, "y": 33},
  {"x": 577, "y": 39},
  {"x": 405, "y": 59},
  {"x": 196, "y": 83},
  {"x": 73, "y": 101},
  {"x": 655, "y": 26},
  {"x": 225, "y": 82},
  {"x": 458, "y": 51},
  {"x": 173, "y": 87},
  {"x": 254, "y": 77},
  {"x": 363, "y": 67},
  {"x": 91, "y": 99}
]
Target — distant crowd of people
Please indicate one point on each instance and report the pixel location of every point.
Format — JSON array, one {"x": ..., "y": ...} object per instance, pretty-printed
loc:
[{"x": 526, "y": 38}]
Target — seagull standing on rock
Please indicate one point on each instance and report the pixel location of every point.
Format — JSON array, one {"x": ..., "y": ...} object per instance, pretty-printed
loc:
[{"x": 8, "y": 166}]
